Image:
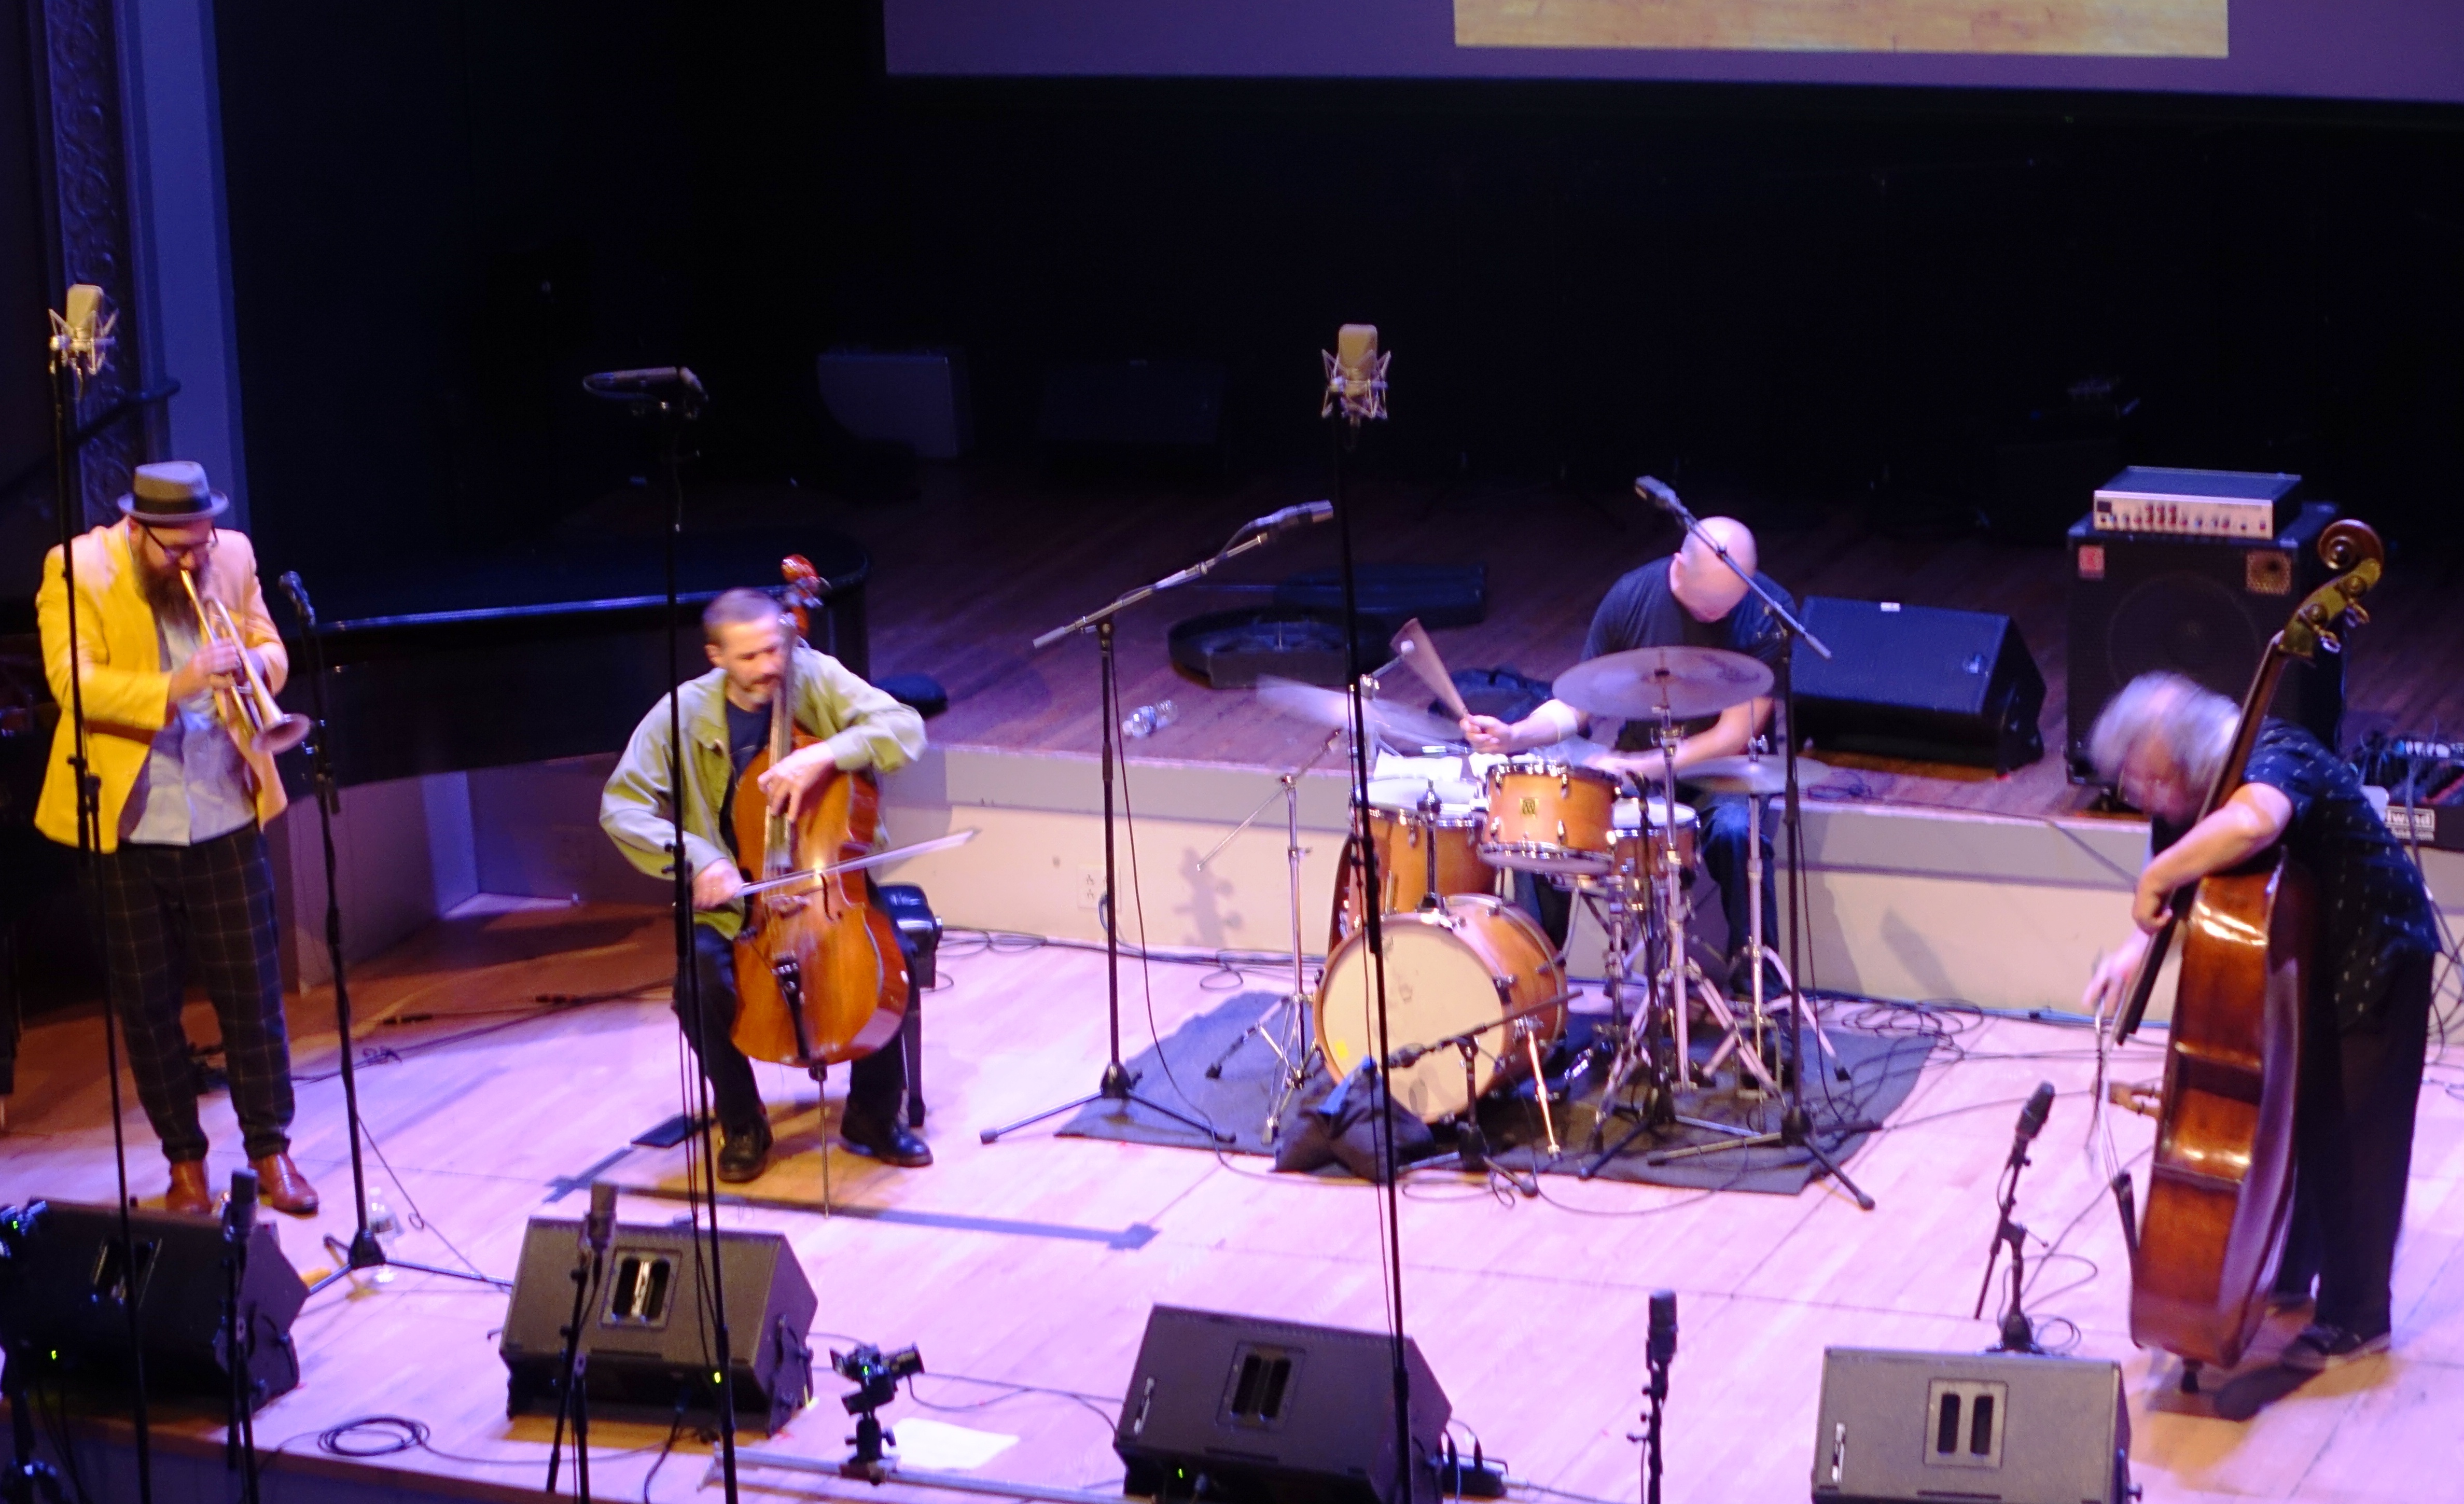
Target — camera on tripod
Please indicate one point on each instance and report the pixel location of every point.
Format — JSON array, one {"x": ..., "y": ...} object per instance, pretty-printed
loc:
[{"x": 876, "y": 1373}]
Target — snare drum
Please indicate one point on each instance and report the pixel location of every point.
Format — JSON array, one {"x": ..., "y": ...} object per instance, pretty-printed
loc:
[
  {"x": 1636, "y": 848},
  {"x": 1403, "y": 834},
  {"x": 1548, "y": 817},
  {"x": 1476, "y": 961}
]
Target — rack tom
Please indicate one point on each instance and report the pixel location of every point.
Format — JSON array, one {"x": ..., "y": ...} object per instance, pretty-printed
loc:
[{"x": 1549, "y": 817}]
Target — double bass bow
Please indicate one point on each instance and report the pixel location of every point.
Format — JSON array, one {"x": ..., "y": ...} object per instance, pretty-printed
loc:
[
  {"x": 2219, "y": 1186},
  {"x": 819, "y": 975}
]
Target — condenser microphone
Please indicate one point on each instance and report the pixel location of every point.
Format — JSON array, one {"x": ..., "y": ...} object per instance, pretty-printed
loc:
[
  {"x": 652, "y": 383},
  {"x": 1301, "y": 515},
  {"x": 598, "y": 1229},
  {"x": 2032, "y": 1118},
  {"x": 1355, "y": 375},
  {"x": 81, "y": 338}
]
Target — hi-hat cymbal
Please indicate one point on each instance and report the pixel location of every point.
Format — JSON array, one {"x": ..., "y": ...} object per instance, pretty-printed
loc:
[
  {"x": 1642, "y": 682},
  {"x": 1752, "y": 774},
  {"x": 1400, "y": 726}
]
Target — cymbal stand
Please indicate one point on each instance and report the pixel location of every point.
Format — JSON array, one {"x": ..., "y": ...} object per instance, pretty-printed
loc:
[
  {"x": 1286, "y": 1027},
  {"x": 1678, "y": 982}
]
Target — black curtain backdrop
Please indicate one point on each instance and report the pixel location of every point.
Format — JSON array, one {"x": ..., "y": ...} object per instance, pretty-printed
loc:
[{"x": 443, "y": 214}]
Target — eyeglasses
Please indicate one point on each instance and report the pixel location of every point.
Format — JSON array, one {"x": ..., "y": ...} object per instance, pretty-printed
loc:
[{"x": 178, "y": 552}]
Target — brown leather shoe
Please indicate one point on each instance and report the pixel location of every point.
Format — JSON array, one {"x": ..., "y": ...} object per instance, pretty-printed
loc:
[
  {"x": 280, "y": 1185},
  {"x": 189, "y": 1192}
]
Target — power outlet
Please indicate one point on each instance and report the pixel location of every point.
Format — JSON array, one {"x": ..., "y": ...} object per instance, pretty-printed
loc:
[{"x": 1091, "y": 888}]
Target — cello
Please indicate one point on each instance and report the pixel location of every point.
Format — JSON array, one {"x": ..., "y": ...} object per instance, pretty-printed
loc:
[
  {"x": 2219, "y": 1186},
  {"x": 819, "y": 975}
]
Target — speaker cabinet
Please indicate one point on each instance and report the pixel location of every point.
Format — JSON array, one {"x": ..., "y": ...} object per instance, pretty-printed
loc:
[
  {"x": 2203, "y": 607},
  {"x": 647, "y": 1330},
  {"x": 64, "y": 1294},
  {"x": 2008, "y": 1426},
  {"x": 1918, "y": 681},
  {"x": 1241, "y": 1410}
]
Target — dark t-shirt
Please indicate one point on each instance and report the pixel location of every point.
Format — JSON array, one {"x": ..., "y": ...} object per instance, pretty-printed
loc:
[
  {"x": 2374, "y": 915},
  {"x": 1640, "y": 612},
  {"x": 748, "y": 731}
]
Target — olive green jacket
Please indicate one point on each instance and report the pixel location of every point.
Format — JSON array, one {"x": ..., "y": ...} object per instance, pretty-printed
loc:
[{"x": 862, "y": 727}]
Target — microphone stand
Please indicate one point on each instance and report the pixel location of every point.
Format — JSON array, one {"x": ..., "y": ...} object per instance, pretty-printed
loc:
[
  {"x": 1117, "y": 1085},
  {"x": 70, "y": 371},
  {"x": 364, "y": 1252},
  {"x": 1355, "y": 394},
  {"x": 1796, "y": 1126},
  {"x": 2019, "y": 1335},
  {"x": 673, "y": 404}
]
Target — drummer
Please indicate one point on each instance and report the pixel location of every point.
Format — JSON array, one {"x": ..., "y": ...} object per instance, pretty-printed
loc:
[{"x": 1688, "y": 599}]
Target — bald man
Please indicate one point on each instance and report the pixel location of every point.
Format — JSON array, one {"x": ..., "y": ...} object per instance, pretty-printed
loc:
[{"x": 1690, "y": 599}]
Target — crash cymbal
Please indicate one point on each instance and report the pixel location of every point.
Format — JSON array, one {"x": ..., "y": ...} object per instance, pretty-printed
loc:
[
  {"x": 1400, "y": 726},
  {"x": 1687, "y": 682},
  {"x": 1752, "y": 774}
]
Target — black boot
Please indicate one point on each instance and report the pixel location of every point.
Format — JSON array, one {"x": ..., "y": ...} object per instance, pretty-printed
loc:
[
  {"x": 887, "y": 1142},
  {"x": 743, "y": 1153}
]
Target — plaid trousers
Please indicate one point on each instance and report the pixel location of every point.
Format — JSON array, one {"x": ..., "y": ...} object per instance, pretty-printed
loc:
[{"x": 174, "y": 911}]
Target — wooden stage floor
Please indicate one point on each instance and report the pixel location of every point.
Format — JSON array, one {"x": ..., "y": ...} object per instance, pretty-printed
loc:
[
  {"x": 1024, "y": 1270},
  {"x": 991, "y": 555}
]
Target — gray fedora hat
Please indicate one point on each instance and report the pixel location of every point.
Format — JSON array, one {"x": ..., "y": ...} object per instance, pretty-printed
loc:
[{"x": 173, "y": 491}]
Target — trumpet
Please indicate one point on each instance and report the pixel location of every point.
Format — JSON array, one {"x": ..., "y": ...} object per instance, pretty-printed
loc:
[{"x": 271, "y": 729}]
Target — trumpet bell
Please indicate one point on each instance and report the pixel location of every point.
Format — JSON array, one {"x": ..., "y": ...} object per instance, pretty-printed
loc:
[{"x": 280, "y": 735}]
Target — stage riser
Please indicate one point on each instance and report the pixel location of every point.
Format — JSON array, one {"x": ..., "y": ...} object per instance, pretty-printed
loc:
[{"x": 1904, "y": 902}]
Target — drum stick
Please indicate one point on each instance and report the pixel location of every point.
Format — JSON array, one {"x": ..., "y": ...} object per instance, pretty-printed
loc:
[{"x": 1421, "y": 656}]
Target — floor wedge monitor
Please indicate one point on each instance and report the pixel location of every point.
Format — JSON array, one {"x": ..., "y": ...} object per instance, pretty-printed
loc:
[{"x": 1986, "y": 1426}]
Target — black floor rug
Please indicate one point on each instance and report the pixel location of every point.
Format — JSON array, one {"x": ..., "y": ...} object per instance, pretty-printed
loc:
[{"x": 1881, "y": 1070}]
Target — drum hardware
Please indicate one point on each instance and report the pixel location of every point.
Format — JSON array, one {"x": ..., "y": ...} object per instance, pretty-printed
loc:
[
  {"x": 1795, "y": 1127},
  {"x": 1674, "y": 987},
  {"x": 1285, "y": 1026}
]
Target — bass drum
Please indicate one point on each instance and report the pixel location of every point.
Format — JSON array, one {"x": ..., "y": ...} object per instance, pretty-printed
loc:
[{"x": 1475, "y": 962}]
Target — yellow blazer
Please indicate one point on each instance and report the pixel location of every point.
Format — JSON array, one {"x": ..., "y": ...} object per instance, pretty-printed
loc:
[{"x": 127, "y": 685}]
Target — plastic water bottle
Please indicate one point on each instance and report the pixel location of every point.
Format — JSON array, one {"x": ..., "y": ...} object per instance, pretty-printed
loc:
[
  {"x": 1147, "y": 719},
  {"x": 382, "y": 1225}
]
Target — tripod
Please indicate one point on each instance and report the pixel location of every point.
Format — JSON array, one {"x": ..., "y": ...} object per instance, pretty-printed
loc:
[
  {"x": 1117, "y": 1085},
  {"x": 364, "y": 1252}
]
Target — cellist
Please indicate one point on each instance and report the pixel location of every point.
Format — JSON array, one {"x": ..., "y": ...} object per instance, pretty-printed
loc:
[
  {"x": 2364, "y": 1023},
  {"x": 726, "y": 717}
]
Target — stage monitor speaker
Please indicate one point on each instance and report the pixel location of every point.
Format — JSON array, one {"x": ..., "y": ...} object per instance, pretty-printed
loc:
[
  {"x": 64, "y": 1288},
  {"x": 647, "y": 1330},
  {"x": 1248, "y": 1411},
  {"x": 2019, "y": 1429},
  {"x": 1918, "y": 681},
  {"x": 2203, "y": 607}
]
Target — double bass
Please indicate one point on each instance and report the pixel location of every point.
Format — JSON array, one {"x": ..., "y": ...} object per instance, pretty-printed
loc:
[
  {"x": 2219, "y": 1186},
  {"x": 819, "y": 975}
]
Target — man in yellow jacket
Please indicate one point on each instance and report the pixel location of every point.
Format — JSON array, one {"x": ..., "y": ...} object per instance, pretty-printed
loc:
[{"x": 181, "y": 878}]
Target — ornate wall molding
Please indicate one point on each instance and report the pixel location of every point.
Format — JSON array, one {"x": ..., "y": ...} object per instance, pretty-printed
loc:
[{"x": 79, "y": 52}]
